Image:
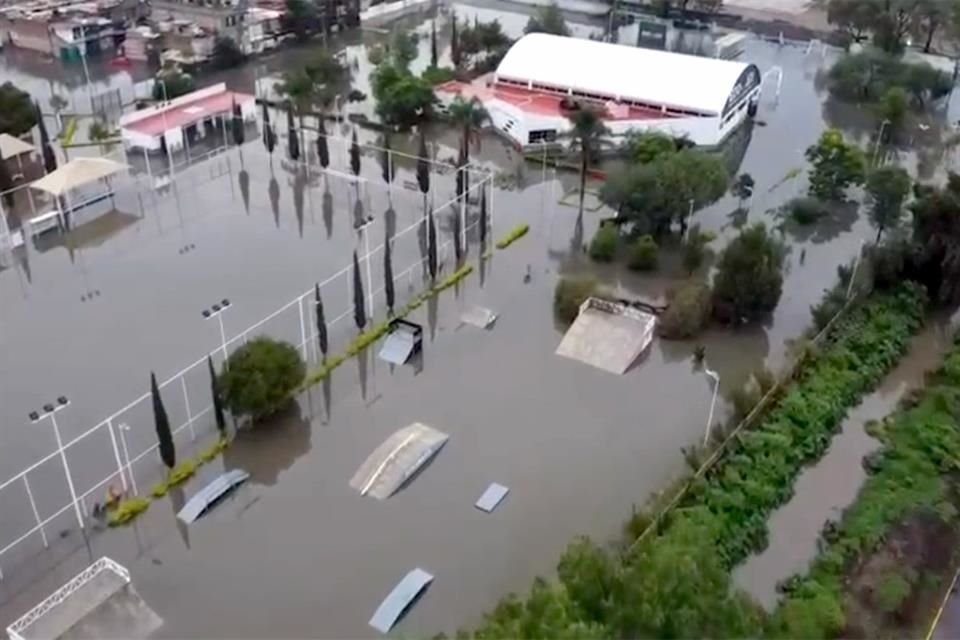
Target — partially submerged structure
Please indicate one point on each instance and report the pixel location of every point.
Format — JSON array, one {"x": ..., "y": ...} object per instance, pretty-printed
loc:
[
  {"x": 211, "y": 494},
  {"x": 399, "y": 599},
  {"x": 544, "y": 79},
  {"x": 397, "y": 459},
  {"x": 99, "y": 602},
  {"x": 608, "y": 335}
]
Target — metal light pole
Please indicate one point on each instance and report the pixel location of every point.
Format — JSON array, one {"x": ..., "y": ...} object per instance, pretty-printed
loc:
[
  {"x": 216, "y": 311},
  {"x": 124, "y": 427},
  {"x": 49, "y": 410},
  {"x": 716, "y": 387}
]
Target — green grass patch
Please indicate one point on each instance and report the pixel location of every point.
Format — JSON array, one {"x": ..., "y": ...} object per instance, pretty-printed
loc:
[
  {"x": 517, "y": 233},
  {"x": 181, "y": 473},
  {"x": 128, "y": 510},
  {"x": 211, "y": 452},
  {"x": 69, "y": 131}
]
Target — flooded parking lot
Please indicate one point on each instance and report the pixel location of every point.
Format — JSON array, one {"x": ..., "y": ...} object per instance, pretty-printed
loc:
[{"x": 577, "y": 446}]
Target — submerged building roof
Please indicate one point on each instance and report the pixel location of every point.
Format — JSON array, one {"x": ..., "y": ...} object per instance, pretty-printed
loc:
[{"x": 633, "y": 73}]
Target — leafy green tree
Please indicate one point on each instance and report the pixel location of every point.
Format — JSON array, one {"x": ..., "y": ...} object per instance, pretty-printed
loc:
[
  {"x": 388, "y": 291},
  {"x": 835, "y": 165},
  {"x": 546, "y": 612},
  {"x": 588, "y": 574},
  {"x": 172, "y": 83},
  {"x": 226, "y": 53},
  {"x": 261, "y": 376},
  {"x": 892, "y": 109},
  {"x": 323, "y": 153},
  {"x": 749, "y": 277},
  {"x": 301, "y": 18},
  {"x": 548, "y": 19},
  {"x": 647, "y": 146},
  {"x": 867, "y": 75},
  {"x": 17, "y": 113},
  {"x": 469, "y": 116},
  {"x": 855, "y": 18},
  {"x": 695, "y": 248},
  {"x": 161, "y": 423},
  {"x": 587, "y": 135},
  {"x": 403, "y": 99},
  {"x": 887, "y": 188},
  {"x": 935, "y": 254},
  {"x": 403, "y": 48}
]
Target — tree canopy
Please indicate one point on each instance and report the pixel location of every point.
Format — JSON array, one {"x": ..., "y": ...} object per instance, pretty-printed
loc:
[
  {"x": 749, "y": 277},
  {"x": 835, "y": 165},
  {"x": 17, "y": 115},
  {"x": 226, "y": 53},
  {"x": 548, "y": 19},
  {"x": 652, "y": 196},
  {"x": 403, "y": 99},
  {"x": 887, "y": 188},
  {"x": 172, "y": 83}
]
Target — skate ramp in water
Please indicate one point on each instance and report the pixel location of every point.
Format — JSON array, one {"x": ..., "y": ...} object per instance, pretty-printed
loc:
[{"x": 608, "y": 335}]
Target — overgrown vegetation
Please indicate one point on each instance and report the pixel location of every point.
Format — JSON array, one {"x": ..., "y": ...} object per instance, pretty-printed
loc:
[
  {"x": 128, "y": 510},
  {"x": 603, "y": 247},
  {"x": 676, "y": 582},
  {"x": 914, "y": 473},
  {"x": 749, "y": 279},
  {"x": 688, "y": 313},
  {"x": 868, "y": 76},
  {"x": 569, "y": 294},
  {"x": 403, "y": 99},
  {"x": 644, "y": 254},
  {"x": 17, "y": 113}
]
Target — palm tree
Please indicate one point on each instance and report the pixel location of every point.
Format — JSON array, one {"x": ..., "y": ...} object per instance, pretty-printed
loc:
[
  {"x": 470, "y": 116},
  {"x": 587, "y": 134}
]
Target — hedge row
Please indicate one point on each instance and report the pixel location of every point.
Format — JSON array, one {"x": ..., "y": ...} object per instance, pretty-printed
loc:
[
  {"x": 921, "y": 449},
  {"x": 677, "y": 583}
]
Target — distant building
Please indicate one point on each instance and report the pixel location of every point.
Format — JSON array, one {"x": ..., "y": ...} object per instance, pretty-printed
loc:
[
  {"x": 544, "y": 78},
  {"x": 223, "y": 17},
  {"x": 67, "y": 29}
]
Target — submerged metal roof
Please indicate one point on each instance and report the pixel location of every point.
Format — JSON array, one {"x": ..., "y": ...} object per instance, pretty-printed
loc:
[
  {"x": 211, "y": 493},
  {"x": 399, "y": 599}
]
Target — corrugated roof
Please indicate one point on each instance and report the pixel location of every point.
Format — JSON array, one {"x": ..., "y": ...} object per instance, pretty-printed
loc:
[{"x": 658, "y": 77}]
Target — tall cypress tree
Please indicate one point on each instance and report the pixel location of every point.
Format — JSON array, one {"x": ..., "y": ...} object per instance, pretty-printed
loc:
[
  {"x": 321, "y": 321},
  {"x": 386, "y": 160},
  {"x": 293, "y": 142},
  {"x": 457, "y": 229},
  {"x": 217, "y": 399},
  {"x": 162, "y": 424},
  {"x": 354, "y": 154},
  {"x": 6, "y": 184},
  {"x": 359, "y": 314},
  {"x": 322, "y": 152},
  {"x": 455, "y": 44},
  {"x": 431, "y": 246},
  {"x": 483, "y": 215},
  {"x": 434, "y": 57},
  {"x": 49, "y": 158},
  {"x": 269, "y": 137},
  {"x": 423, "y": 166},
  {"x": 388, "y": 274}
]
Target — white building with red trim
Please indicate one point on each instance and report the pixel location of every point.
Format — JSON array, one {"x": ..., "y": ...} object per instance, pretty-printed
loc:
[
  {"x": 542, "y": 76},
  {"x": 144, "y": 129}
]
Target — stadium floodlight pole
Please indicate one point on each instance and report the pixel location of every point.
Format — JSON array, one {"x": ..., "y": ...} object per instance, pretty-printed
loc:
[
  {"x": 716, "y": 387},
  {"x": 216, "y": 311},
  {"x": 49, "y": 410}
]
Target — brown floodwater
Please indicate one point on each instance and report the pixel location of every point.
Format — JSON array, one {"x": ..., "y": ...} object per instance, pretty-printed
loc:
[{"x": 577, "y": 446}]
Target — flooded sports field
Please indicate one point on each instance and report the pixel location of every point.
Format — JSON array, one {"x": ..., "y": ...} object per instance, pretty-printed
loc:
[{"x": 90, "y": 314}]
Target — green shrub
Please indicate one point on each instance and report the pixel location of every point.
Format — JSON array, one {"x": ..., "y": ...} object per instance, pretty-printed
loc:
[
  {"x": 695, "y": 247},
  {"x": 570, "y": 294},
  {"x": 603, "y": 247},
  {"x": 181, "y": 473},
  {"x": 643, "y": 254},
  {"x": 211, "y": 452},
  {"x": 160, "y": 489},
  {"x": 518, "y": 232},
  {"x": 437, "y": 75},
  {"x": 260, "y": 377},
  {"x": 688, "y": 311},
  {"x": 892, "y": 591},
  {"x": 807, "y": 210},
  {"x": 128, "y": 510}
]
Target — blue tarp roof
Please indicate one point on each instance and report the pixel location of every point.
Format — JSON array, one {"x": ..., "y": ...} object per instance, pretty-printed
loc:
[
  {"x": 211, "y": 493},
  {"x": 399, "y": 599}
]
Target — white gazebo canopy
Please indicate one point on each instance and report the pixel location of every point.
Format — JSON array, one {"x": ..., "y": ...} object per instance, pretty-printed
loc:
[
  {"x": 77, "y": 173},
  {"x": 11, "y": 147}
]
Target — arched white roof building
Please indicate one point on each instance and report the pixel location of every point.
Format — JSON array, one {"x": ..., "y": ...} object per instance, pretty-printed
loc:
[{"x": 703, "y": 99}]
